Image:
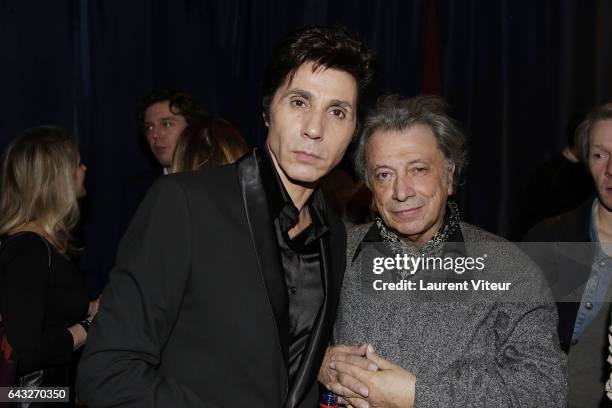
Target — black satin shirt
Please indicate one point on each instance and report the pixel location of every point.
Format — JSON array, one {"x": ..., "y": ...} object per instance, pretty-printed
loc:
[{"x": 301, "y": 263}]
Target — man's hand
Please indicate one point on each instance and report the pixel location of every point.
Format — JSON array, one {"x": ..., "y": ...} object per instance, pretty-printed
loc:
[
  {"x": 390, "y": 387},
  {"x": 341, "y": 383}
]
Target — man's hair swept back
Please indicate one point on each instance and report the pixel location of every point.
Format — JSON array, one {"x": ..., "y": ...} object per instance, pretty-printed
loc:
[{"x": 396, "y": 113}]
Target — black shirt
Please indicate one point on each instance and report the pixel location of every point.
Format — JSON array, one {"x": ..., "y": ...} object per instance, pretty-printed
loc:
[
  {"x": 300, "y": 258},
  {"x": 38, "y": 303}
]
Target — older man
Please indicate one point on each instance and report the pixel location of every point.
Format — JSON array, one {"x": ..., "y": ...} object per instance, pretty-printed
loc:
[{"x": 465, "y": 345}]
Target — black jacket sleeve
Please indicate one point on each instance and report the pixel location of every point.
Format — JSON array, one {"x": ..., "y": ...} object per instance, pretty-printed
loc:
[{"x": 139, "y": 308}]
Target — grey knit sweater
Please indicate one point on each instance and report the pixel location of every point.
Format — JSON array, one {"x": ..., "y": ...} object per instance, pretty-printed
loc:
[{"x": 481, "y": 352}]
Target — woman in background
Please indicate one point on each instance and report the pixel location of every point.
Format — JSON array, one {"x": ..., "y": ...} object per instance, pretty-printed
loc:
[
  {"x": 43, "y": 301},
  {"x": 214, "y": 142}
]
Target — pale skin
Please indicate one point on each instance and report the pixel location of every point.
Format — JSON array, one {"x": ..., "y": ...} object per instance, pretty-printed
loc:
[
  {"x": 162, "y": 129},
  {"x": 600, "y": 165},
  {"x": 364, "y": 379},
  {"x": 312, "y": 120},
  {"x": 410, "y": 181}
]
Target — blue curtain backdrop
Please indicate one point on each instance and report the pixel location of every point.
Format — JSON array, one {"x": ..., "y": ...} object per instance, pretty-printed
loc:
[{"x": 514, "y": 72}]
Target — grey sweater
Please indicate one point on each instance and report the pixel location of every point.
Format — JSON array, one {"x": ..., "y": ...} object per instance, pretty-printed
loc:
[{"x": 489, "y": 351}]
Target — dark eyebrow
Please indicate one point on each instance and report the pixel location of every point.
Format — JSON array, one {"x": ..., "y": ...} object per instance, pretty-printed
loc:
[
  {"x": 299, "y": 92},
  {"x": 341, "y": 103},
  {"x": 307, "y": 95}
]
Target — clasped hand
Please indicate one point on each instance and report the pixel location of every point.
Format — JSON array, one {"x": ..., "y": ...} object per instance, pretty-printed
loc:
[{"x": 363, "y": 379}]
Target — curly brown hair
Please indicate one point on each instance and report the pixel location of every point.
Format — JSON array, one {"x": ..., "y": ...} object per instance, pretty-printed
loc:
[{"x": 180, "y": 104}]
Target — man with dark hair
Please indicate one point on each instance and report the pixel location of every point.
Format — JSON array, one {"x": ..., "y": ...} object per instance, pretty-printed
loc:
[
  {"x": 317, "y": 47},
  {"x": 226, "y": 283},
  {"x": 163, "y": 114}
]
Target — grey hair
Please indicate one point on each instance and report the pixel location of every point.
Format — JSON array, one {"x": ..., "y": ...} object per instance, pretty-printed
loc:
[
  {"x": 394, "y": 113},
  {"x": 583, "y": 131}
]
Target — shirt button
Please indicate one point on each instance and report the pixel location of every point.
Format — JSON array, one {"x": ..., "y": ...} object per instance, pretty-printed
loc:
[
  {"x": 574, "y": 342},
  {"x": 292, "y": 290},
  {"x": 588, "y": 305}
]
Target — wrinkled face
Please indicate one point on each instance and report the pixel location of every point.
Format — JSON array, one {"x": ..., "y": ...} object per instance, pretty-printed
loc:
[
  {"x": 162, "y": 129},
  {"x": 410, "y": 181},
  {"x": 600, "y": 160},
  {"x": 79, "y": 178},
  {"x": 312, "y": 120}
]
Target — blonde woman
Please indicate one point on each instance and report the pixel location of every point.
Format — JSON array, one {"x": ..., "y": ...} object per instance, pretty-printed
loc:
[
  {"x": 214, "y": 142},
  {"x": 43, "y": 301}
]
